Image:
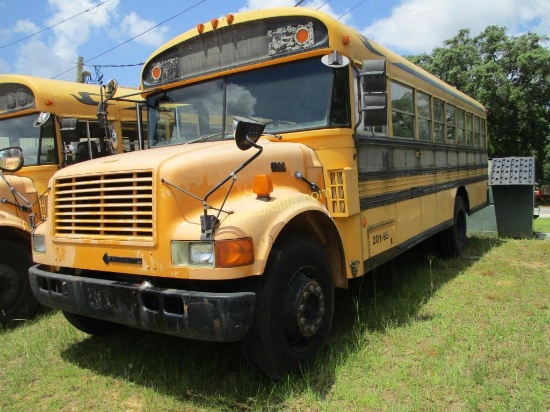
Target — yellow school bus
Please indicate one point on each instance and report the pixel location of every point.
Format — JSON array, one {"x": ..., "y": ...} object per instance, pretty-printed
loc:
[
  {"x": 55, "y": 124},
  {"x": 287, "y": 154}
]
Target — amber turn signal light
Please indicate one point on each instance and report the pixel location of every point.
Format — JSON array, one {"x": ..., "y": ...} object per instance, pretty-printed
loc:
[{"x": 234, "y": 252}]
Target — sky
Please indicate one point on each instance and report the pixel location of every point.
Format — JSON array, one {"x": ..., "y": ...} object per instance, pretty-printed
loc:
[{"x": 45, "y": 37}]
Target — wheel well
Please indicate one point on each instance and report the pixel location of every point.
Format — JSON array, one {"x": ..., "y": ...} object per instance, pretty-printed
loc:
[
  {"x": 463, "y": 193},
  {"x": 318, "y": 226},
  {"x": 16, "y": 236}
]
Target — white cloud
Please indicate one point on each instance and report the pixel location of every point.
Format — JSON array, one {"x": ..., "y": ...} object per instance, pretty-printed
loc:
[
  {"x": 321, "y": 5},
  {"x": 75, "y": 32},
  {"x": 133, "y": 25},
  {"x": 59, "y": 49},
  {"x": 417, "y": 26},
  {"x": 26, "y": 27},
  {"x": 35, "y": 58}
]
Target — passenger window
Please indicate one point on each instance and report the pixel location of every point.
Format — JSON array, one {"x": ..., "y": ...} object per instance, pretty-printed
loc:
[
  {"x": 450, "y": 122},
  {"x": 402, "y": 104},
  {"x": 439, "y": 121},
  {"x": 423, "y": 109}
]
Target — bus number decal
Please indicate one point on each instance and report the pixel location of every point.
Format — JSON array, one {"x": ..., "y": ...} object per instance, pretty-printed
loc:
[{"x": 380, "y": 237}]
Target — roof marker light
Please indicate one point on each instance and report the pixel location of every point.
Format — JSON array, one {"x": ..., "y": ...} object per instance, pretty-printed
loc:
[
  {"x": 215, "y": 23},
  {"x": 230, "y": 18},
  {"x": 200, "y": 28},
  {"x": 156, "y": 72},
  {"x": 302, "y": 36}
]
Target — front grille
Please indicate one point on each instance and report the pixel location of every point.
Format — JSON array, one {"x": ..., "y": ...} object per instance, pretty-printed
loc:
[
  {"x": 43, "y": 205},
  {"x": 114, "y": 206}
]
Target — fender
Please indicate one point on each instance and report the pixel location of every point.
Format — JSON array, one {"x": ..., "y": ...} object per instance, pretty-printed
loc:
[
  {"x": 8, "y": 219},
  {"x": 264, "y": 220},
  {"x": 10, "y": 216}
]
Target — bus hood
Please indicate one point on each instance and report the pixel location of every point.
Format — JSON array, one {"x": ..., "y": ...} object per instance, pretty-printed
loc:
[{"x": 199, "y": 167}]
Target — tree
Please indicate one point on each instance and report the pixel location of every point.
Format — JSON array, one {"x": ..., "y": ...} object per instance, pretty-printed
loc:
[{"x": 511, "y": 77}]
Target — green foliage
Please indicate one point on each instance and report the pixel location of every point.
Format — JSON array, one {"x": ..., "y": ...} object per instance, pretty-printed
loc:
[{"x": 511, "y": 77}]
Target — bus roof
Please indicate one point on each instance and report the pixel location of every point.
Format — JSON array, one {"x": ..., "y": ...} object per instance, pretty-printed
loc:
[{"x": 22, "y": 93}]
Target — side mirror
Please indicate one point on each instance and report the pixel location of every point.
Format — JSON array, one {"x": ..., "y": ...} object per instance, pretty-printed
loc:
[
  {"x": 335, "y": 60},
  {"x": 374, "y": 95},
  {"x": 42, "y": 118},
  {"x": 110, "y": 89},
  {"x": 11, "y": 159},
  {"x": 246, "y": 132}
]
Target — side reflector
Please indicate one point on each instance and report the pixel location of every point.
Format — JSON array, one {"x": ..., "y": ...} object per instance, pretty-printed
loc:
[
  {"x": 234, "y": 252},
  {"x": 263, "y": 186}
]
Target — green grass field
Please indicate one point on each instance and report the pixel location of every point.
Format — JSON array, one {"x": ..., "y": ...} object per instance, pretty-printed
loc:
[
  {"x": 418, "y": 334},
  {"x": 542, "y": 225}
]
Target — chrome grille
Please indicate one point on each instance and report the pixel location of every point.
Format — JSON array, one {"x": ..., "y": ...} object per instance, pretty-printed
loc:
[{"x": 115, "y": 206}]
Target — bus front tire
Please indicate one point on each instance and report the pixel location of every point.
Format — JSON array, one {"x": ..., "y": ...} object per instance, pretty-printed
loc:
[
  {"x": 92, "y": 326},
  {"x": 452, "y": 240},
  {"x": 16, "y": 298},
  {"x": 294, "y": 308}
]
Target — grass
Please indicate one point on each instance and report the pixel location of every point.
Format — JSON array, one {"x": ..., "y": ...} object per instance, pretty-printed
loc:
[
  {"x": 419, "y": 334},
  {"x": 541, "y": 225}
]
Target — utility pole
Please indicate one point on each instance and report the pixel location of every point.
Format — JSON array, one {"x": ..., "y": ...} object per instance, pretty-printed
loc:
[{"x": 79, "y": 69}]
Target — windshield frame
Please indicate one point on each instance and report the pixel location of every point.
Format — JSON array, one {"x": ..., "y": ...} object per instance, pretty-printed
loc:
[
  {"x": 289, "y": 86},
  {"x": 34, "y": 155}
]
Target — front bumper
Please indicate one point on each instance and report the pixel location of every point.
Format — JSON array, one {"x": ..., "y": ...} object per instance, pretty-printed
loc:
[{"x": 221, "y": 317}]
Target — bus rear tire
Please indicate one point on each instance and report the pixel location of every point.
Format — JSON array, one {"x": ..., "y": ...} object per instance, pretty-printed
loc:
[
  {"x": 16, "y": 298},
  {"x": 294, "y": 308},
  {"x": 452, "y": 241},
  {"x": 92, "y": 326}
]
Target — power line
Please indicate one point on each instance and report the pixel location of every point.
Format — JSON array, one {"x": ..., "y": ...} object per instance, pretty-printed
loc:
[
  {"x": 54, "y": 25},
  {"x": 326, "y": 2},
  {"x": 133, "y": 38},
  {"x": 350, "y": 10},
  {"x": 118, "y": 65}
]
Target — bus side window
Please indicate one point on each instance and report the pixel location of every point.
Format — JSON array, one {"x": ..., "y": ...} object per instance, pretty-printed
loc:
[
  {"x": 439, "y": 121},
  {"x": 402, "y": 107},
  {"x": 450, "y": 122},
  {"x": 423, "y": 109}
]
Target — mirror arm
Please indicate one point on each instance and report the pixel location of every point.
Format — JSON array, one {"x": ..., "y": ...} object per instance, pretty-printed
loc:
[{"x": 208, "y": 222}]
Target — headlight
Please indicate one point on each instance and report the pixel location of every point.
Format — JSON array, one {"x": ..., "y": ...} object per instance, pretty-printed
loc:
[
  {"x": 39, "y": 243},
  {"x": 192, "y": 253}
]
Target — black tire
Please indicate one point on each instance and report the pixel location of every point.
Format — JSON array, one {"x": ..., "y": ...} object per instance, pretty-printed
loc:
[
  {"x": 294, "y": 308},
  {"x": 16, "y": 298},
  {"x": 452, "y": 241},
  {"x": 92, "y": 326}
]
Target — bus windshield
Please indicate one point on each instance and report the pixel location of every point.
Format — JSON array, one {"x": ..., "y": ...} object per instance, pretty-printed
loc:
[
  {"x": 38, "y": 143},
  {"x": 289, "y": 97}
]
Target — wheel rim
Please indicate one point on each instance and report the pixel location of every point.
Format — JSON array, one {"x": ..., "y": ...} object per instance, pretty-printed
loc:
[
  {"x": 304, "y": 308},
  {"x": 10, "y": 285}
]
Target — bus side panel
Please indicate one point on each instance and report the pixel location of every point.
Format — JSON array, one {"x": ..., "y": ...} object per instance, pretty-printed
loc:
[{"x": 477, "y": 194}]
